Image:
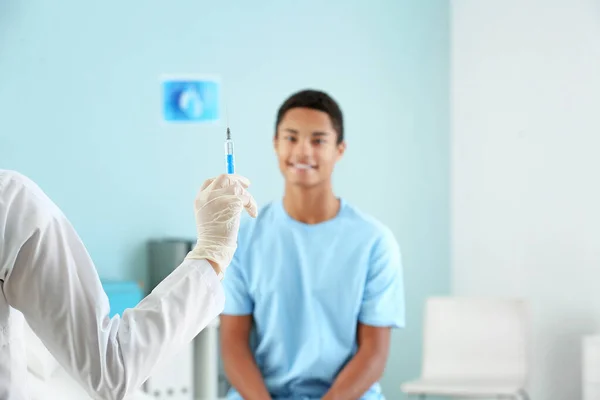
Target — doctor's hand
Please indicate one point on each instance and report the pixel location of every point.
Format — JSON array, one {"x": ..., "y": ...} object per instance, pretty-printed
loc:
[{"x": 218, "y": 206}]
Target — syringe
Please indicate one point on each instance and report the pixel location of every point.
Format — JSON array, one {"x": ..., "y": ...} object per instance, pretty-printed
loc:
[{"x": 229, "y": 153}]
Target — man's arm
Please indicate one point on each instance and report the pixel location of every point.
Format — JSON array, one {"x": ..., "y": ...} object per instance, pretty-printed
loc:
[
  {"x": 382, "y": 308},
  {"x": 238, "y": 360},
  {"x": 366, "y": 367}
]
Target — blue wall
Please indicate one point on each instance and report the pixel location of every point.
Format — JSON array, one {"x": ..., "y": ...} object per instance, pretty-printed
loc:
[{"x": 80, "y": 114}]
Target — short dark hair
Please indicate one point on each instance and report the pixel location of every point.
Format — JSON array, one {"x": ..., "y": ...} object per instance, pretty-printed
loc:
[{"x": 316, "y": 100}]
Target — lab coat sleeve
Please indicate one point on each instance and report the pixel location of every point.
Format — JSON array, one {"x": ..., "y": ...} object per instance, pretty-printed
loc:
[{"x": 54, "y": 283}]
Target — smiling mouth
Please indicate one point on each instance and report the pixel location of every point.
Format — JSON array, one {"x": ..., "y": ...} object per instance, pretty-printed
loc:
[{"x": 302, "y": 166}]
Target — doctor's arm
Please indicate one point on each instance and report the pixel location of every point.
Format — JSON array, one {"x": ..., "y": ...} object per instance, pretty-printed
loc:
[
  {"x": 54, "y": 283},
  {"x": 382, "y": 309}
]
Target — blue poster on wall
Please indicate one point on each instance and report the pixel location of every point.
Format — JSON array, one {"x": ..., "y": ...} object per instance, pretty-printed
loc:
[{"x": 191, "y": 99}]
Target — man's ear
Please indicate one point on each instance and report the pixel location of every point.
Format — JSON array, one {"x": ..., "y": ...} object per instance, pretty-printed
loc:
[{"x": 341, "y": 149}]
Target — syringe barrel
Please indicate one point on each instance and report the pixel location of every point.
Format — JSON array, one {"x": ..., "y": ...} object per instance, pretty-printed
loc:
[{"x": 229, "y": 147}]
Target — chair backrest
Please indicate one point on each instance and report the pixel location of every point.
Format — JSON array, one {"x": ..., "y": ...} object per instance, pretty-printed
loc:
[{"x": 476, "y": 338}]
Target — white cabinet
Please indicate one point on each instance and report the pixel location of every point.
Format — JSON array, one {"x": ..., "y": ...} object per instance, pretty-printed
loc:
[
  {"x": 193, "y": 374},
  {"x": 591, "y": 367},
  {"x": 206, "y": 363},
  {"x": 173, "y": 379}
]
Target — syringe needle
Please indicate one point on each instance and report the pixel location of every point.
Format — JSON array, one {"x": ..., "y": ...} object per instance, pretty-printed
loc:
[{"x": 230, "y": 163}]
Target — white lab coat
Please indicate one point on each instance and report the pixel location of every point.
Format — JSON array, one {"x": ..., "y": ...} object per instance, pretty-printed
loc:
[{"x": 47, "y": 276}]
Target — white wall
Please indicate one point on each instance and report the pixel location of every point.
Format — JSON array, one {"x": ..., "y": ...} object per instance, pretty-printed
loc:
[{"x": 526, "y": 170}]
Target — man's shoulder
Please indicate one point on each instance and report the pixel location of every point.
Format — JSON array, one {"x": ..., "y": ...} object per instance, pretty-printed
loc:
[
  {"x": 370, "y": 231},
  {"x": 364, "y": 222}
]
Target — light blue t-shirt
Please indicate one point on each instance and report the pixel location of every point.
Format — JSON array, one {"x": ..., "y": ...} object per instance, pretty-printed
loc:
[{"x": 307, "y": 287}]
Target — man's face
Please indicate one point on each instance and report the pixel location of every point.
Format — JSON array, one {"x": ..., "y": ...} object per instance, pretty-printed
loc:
[{"x": 306, "y": 146}]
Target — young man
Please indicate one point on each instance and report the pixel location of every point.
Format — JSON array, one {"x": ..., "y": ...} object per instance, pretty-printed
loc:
[{"x": 319, "y": 281}]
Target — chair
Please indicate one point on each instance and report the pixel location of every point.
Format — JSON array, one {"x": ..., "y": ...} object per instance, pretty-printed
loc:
[{"x": 475, "y": 348}]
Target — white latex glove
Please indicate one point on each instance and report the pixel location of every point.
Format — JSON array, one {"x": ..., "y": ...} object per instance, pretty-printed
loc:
[{"x": 219, "y": 205}]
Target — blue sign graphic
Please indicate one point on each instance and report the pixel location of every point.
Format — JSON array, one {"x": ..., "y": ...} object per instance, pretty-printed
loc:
[{"x": 190, "y": 100}]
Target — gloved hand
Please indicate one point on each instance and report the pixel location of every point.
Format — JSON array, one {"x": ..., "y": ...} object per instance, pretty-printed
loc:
[{"x": 218, "y": 207}]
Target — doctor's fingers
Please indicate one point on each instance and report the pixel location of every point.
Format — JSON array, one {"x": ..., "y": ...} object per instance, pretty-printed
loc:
[
  {"x": 206, "y": 184},
  {"x": 249, "y": 204},
  {"x": 224, "y": 180},
  {"x": 242, "y": 195}
]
